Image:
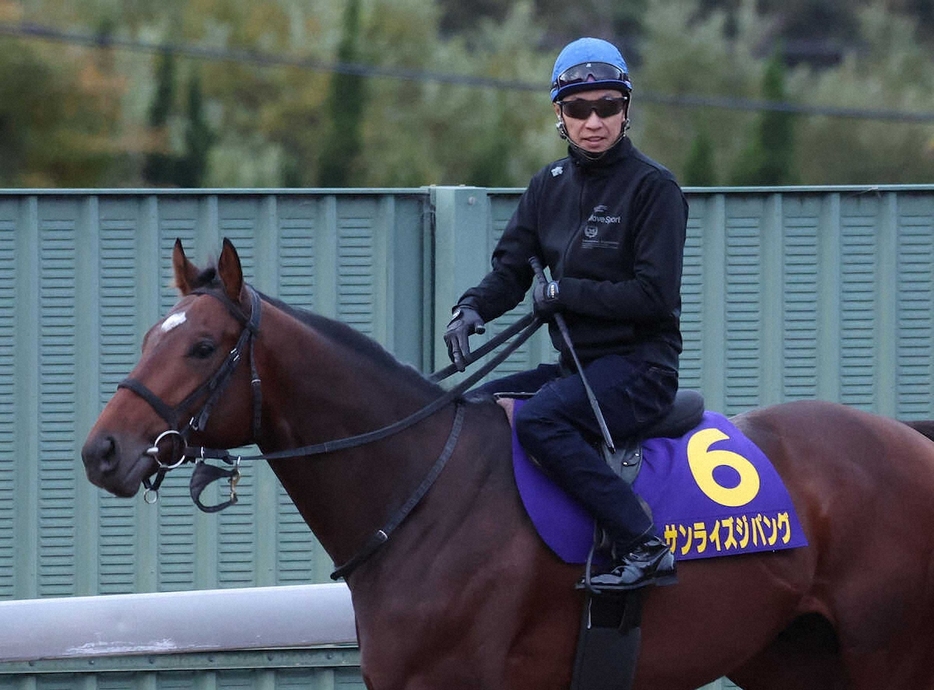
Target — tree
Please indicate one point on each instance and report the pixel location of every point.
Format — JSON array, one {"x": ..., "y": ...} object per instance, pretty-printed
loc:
[
  {"x": 699, "y": 170},
  {"x": 428, "y": 132},
  {"x": 268, "y": 121},
  {"x": 159, "y": 165},
  {"x": 769, "y": 160},
  {"x": 345, "y": 107},
  {"x": 685, "y": 54},
  {"x": 66, "y": 118},
  {"x": 193, "y": 165},
  {"x": 892, "y": 71},
  {"x": 164, "y": 166},
  {"x": 56, "y": 118},
  {"x": 24, "y": 84}
]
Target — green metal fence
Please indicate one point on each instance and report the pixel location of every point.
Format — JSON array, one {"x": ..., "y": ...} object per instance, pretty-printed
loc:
[
  {"x": 305, "y": 669},
  {"x": 788, "y": 293}
]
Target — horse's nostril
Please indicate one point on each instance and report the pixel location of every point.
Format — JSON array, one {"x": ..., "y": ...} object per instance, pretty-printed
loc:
[{"x": 101, "y": 453}]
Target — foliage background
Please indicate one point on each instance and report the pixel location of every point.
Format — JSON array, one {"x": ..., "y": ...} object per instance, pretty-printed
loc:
[{"x": 239, "y": 93}]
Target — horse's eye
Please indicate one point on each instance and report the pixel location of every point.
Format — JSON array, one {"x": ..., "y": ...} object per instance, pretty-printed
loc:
[{"x": 202, "y": 349}]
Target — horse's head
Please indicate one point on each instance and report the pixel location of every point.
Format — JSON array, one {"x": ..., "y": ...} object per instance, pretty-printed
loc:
[{"x": 186, "y": 383}]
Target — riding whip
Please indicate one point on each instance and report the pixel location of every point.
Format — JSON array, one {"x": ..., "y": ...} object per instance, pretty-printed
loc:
[{"x": 566, "y": 335}]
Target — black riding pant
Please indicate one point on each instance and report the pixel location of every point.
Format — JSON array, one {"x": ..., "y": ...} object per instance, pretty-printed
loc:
[{"x": 558, "y": 428}]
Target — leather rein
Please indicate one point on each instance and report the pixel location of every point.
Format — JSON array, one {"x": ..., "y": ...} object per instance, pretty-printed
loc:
[{"x": 212, "y": 388}]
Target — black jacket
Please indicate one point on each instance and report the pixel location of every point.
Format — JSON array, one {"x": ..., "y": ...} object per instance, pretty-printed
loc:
[{"x": 612, "y": 234}]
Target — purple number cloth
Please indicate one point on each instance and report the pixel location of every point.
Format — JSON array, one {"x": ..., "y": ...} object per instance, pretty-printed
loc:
[{"x": 687, "y": 505}]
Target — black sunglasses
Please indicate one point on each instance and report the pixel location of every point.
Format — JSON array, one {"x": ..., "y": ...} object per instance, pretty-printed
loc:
[
  {"x": 590, "y": 71},
  {"x": 580, "y": 109}
]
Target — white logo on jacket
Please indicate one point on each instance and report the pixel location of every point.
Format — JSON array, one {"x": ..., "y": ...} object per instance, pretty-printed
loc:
[
  {"x": 599, "y": 216},
  {"x": 592, "y": 230}
]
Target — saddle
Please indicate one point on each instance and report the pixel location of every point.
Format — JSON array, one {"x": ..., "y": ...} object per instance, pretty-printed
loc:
[{"x": 684, "y": 415}]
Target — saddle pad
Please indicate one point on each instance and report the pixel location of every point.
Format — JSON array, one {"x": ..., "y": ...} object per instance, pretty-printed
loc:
[{"x": 712, "y": 493}]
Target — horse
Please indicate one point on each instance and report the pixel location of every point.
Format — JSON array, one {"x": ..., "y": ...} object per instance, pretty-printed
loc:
[{"x": 459, "y": 591}]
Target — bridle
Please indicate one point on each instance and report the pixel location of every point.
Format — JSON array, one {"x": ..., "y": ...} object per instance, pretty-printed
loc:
[{"x": 211, "y": 389}]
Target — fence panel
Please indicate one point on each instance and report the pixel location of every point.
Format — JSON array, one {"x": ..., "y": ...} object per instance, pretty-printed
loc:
[{"x": 788, "y": 293}]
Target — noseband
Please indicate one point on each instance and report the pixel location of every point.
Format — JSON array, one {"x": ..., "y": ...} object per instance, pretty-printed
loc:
[{"x": 210, "y": 391}]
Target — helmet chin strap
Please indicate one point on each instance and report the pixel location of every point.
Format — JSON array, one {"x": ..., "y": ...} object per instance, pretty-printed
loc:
[
  {"x": 589, "y": 155},
  {"x": 563, "y": 133}
]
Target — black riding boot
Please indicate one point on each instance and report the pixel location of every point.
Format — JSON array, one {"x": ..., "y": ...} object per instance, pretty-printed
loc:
[{"x": 649, "y": 562}]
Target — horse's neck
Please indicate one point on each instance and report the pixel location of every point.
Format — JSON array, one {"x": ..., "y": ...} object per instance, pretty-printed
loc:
[
  {"x": 325, "y": 389},
  {"x": 315, "y": 391}
]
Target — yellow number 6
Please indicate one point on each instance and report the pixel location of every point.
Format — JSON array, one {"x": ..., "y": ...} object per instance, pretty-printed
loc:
[{"x": 704, "y": 461}]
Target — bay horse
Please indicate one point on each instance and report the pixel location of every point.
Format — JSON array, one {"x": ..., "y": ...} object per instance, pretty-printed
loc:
[{"x": 465, "y": 594}]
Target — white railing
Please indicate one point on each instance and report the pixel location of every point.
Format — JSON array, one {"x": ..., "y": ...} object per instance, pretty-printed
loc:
[{"x": 176, "y": 622}]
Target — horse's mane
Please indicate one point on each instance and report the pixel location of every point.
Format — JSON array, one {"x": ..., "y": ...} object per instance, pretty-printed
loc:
[
  {"x": 336, "y": 331},
  {"x": 353, "y": 339},
  {"x": 923, "y": 426}
]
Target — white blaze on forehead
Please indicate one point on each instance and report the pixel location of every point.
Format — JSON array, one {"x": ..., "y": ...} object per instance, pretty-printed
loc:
[{"x": 173, "y": 321}]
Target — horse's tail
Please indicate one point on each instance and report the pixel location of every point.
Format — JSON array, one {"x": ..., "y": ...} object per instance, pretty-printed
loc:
[{"x": 922, "y": 426}]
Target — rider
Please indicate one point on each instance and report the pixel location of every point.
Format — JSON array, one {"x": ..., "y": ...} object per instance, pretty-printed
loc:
[{"x": 610, "y": 225}]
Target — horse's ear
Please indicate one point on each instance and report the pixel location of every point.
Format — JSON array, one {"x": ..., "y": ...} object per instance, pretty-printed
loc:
[
  {"x": 230, "y": 271},
  {"x": 186, "y": 273}
]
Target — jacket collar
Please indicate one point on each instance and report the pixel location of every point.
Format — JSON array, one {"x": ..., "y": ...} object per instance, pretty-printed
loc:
[{"x": 615, "y": 153}]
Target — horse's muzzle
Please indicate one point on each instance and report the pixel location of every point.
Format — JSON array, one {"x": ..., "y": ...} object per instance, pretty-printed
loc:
[{"x": 102, "y": 464}]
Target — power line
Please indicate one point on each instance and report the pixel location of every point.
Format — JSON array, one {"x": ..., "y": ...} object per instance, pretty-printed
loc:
[{"x": 263, "y": 59}]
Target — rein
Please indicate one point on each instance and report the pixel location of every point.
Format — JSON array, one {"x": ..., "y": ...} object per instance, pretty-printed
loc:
[
  {"x": 525, "y": 327},
  {"x": 205, "y": 474}
]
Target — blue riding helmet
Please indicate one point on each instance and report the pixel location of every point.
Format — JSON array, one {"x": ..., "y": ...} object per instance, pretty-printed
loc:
[{"x": 586, "y": 64}]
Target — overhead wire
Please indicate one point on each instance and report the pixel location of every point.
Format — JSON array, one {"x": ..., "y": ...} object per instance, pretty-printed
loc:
[{"x": 33, "y": 31}]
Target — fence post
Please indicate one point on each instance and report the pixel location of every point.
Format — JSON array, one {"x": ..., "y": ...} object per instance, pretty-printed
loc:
[{"x": 461, "y": 252}]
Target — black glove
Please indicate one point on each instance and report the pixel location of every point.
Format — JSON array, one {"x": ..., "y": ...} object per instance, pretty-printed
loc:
[
  {"x": 546, "y": 299},
  {"x": 464, "y": 322}
]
